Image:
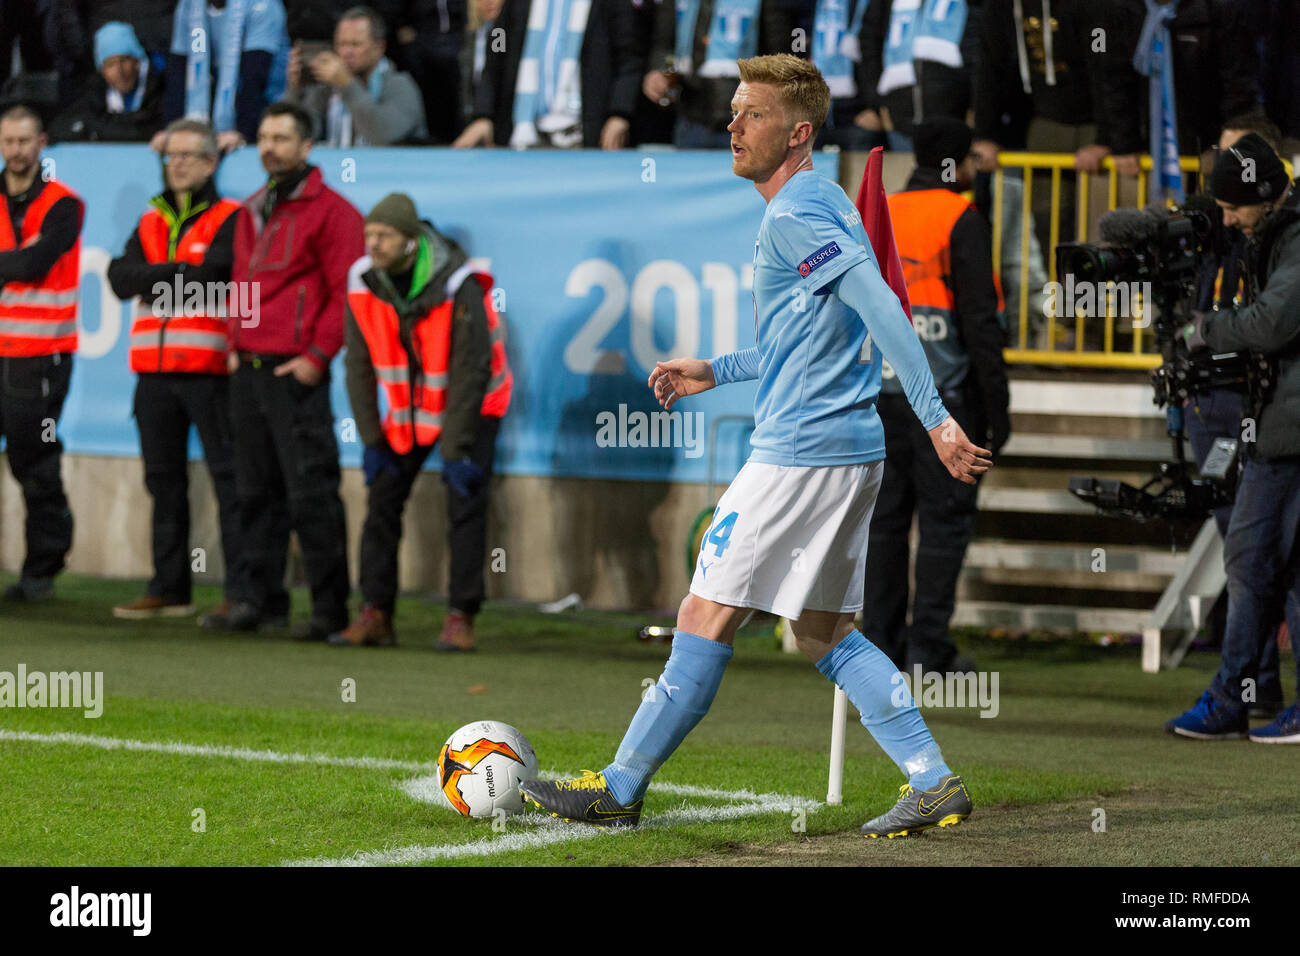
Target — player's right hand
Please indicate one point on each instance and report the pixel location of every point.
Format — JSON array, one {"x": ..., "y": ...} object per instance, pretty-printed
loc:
[
  {"x": 678, "y": 378},
  {"x": 964, "y": 460}
]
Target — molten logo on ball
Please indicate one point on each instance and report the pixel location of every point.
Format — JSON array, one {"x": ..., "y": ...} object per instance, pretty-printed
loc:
[{"x": 454, "y": 764}]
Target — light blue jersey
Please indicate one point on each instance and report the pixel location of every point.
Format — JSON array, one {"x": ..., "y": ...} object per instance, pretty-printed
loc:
[{"x": 817, "y": 360}]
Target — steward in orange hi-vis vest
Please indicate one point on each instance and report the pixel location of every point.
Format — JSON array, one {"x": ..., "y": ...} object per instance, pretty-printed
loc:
[
  {"x": 184, "y": 338},
  {"x": 421, "y": 324},
  {"x": 411, "y": 354},
  {"x": 178, "y": 263},
  {"x": 38, "y": 315}
]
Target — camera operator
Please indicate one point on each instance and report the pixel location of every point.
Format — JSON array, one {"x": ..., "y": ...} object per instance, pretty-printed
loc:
[
  {"x": 1262, "y": 548},
  {"x": 1219, "y": 412}
]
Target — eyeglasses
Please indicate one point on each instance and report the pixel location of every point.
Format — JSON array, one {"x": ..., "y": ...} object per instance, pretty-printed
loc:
[{"x": 184, "y": 156}]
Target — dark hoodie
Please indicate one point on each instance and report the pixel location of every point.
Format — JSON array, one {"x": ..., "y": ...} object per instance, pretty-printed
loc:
[
  {"x": 469, "y": 366},
  {"x": 1270, "y": 325}
]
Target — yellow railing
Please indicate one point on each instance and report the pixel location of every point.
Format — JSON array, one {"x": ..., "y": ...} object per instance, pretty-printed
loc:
[{"x": 1083, "y": 345}]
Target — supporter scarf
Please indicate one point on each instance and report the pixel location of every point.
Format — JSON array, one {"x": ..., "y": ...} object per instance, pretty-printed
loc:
[
  {"x": 921, "y": 30},
  {"x": 199, "y": 103},
  {"x": 1022, "y": 54},
  {"x": 548, "y": 93},
  {"x": 1154, "y": 58},
  {"x": 129, "y": 102},
  {"x": 733, "y": 35},
  {"x": 338, "y": 118},
  {"x": 835, "y": 43},
  {"x": 688, "y": 12}
]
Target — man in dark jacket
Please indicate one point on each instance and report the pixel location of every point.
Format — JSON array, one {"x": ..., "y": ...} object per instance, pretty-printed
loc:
[
  {"x": 294, "y": 241},
  {"x": 430, "y": 35},
  {"x": 947, "y": 254},
  {"x": 1025, "y": 100},
  {"x": 1215, "y": 73},
  {"x": 123, "y": 102},
  {"x": 1262, "y": 548},
  {"x": 421, "y": 325},
  {"x": 609, "y": 75},
  {"x": 707, "y": 83}
]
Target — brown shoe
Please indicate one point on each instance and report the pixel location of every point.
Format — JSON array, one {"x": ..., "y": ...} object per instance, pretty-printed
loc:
[
  {"x": 457, "y": 633},
  {"x": 373, "y": 628},
  {"x": 149, "y": 606}
]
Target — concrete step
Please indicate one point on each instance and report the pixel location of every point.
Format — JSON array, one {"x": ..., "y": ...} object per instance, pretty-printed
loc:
[
  {"x": 993, "y": 553},
  {"x": 1048, "y": 617}
]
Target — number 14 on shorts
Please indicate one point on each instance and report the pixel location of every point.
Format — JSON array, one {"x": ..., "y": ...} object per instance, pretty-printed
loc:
[{"x": 719, "y": 535}]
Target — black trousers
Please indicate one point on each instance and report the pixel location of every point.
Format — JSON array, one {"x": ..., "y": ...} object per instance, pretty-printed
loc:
[
  {"x": 916, "y": 482},
  {"x": 287, "y": 460},
  {"x": 466, "y": 521},
  {"x": 167, "y": 405},
  {"x": 32, "y": 393}
]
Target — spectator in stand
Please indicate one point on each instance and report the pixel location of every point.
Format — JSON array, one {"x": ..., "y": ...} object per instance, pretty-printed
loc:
[
  {"x": 1214, "y": 64},
  {"x": 358, "y": 97},
  {"x": 310, "y": 23},
  {"x": 482, "y": 24},
  {"x": 918, "y": 57},
  {"x": 420, "y": 325},
  {"x": 1038, "y": 83},
  {"x": 430, "y": 35},
  {"x": 24, "y": 23},
  {"x": 1279, "y": 67},
  {"x": 839, "y": 30},
  {"x": 75, "y": 22},
  {"x": 219, "y": 67},
  {"x": 693, "y": 58},
  {"x": 123, "y": 103},
  {"x": 40, "y": 270},
  {"x": 294, "y": 241},
  {"x": 570, "y": 81}
]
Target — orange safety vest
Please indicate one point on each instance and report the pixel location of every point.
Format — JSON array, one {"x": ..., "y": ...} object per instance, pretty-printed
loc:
[
  {"x": 417, "y": 420},
  {"x": 39, "y": 318},
  {"x": 182, "y": 341}
]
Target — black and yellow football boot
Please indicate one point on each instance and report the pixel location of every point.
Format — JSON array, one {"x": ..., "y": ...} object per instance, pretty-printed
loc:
[
  {"x": 944, "y": 805},
  {"x": 584, "y": 800}
]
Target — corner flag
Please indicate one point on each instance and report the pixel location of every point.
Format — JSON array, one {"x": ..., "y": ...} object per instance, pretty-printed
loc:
[{"x": 874, "y": 208}]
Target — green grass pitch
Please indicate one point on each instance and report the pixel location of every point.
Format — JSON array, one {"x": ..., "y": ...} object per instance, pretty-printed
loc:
[{"x": 1079, "y": 731}]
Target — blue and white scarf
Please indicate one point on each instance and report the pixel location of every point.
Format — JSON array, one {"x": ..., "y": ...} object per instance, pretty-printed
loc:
[
  {"x": 688, "y": 12},
  {"x": 199, "y": 102},
  {"x": 118, "y": 102},
  {"x": 921, "y": 30},
  {"x": 733, "y": 35},
  {"x": 836, "y": 49},
  {"x": 1154, "y": 58},
  {"x": 548, "y": 91},
  {"x": 338, "y": 118}
]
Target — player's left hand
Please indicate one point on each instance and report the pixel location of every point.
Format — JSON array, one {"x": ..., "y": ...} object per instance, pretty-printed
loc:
[{"x": 964, "y": 460}]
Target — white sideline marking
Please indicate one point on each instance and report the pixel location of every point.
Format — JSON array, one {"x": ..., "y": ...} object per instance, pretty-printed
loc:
[
  {"x": 544, "y": 830},
  {"x": 203, "y": 750}
]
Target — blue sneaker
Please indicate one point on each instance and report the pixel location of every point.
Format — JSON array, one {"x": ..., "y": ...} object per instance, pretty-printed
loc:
[
  {"x": 1284, "y": 730},
  {"x": 1210, "y": 720}
]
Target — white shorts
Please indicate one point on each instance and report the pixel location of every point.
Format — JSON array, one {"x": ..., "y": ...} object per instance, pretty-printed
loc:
[{"x": 786, "y": 539}]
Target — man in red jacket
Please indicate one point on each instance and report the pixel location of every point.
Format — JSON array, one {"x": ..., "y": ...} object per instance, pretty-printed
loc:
[{"x": 294, "y": 242}]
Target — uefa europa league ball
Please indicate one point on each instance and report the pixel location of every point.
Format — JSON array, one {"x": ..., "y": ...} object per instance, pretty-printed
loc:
[{"x": 481, "y": 766}]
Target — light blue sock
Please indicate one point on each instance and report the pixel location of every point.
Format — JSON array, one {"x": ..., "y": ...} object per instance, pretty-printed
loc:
[
  {"x": 668, "y": 712},
  {"x": 889, "y": 713}
]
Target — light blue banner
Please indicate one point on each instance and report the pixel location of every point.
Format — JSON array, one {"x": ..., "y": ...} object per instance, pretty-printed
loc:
[{"x": 606, "y": 263}]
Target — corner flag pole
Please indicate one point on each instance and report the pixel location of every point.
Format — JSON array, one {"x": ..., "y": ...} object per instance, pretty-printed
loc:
[{"x": 839, "y": 718}]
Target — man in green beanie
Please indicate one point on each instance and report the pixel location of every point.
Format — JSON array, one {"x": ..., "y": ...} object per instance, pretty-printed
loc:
[{"x": 421, "y": 325}]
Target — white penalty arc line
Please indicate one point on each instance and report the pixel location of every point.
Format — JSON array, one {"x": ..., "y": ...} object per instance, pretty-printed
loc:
[{"x": 544, "y": 831}]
